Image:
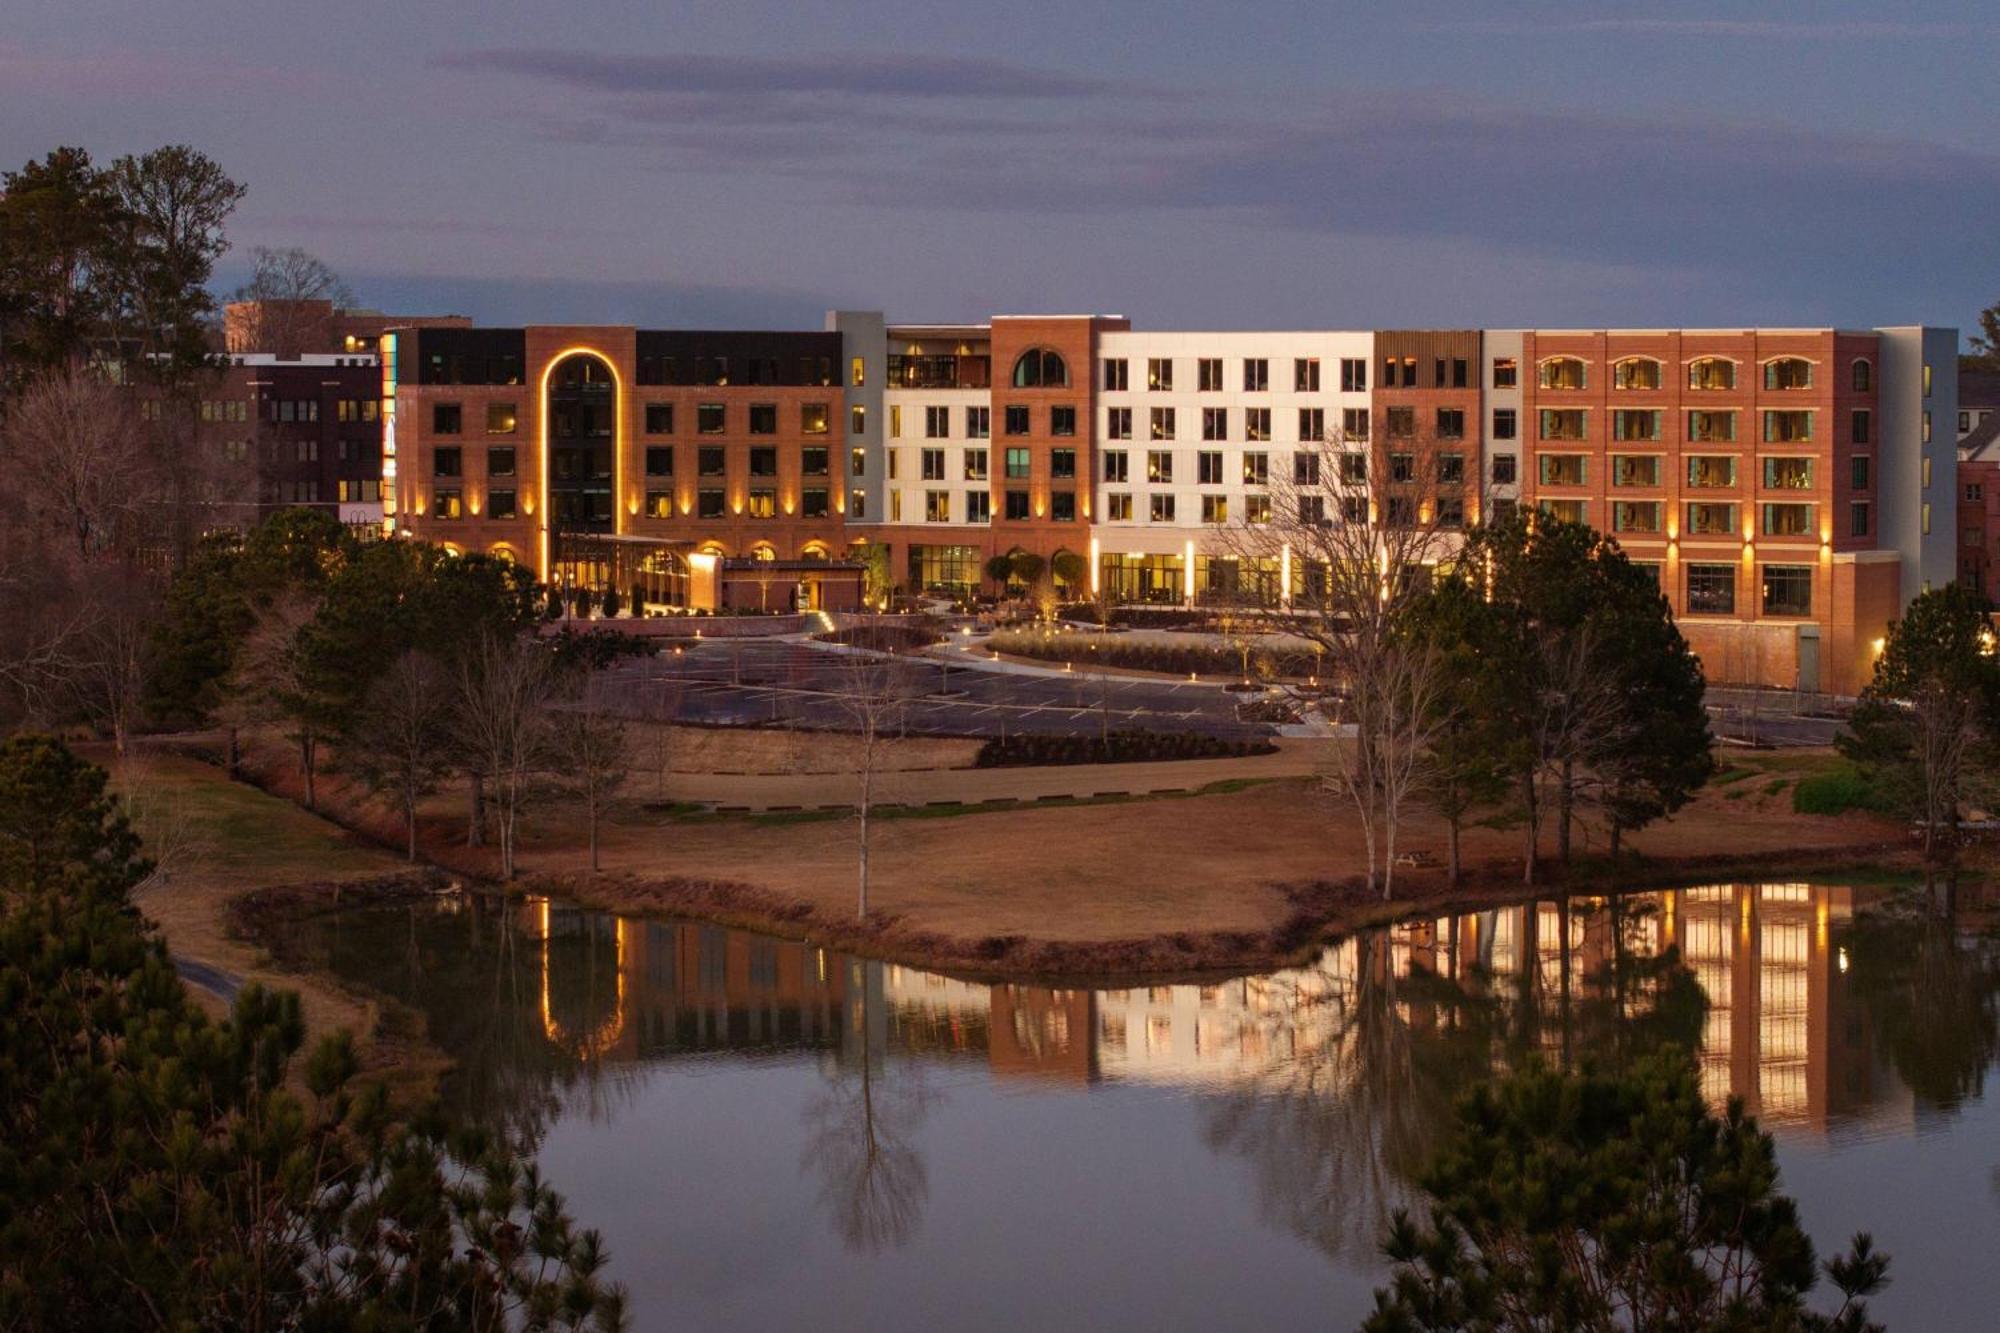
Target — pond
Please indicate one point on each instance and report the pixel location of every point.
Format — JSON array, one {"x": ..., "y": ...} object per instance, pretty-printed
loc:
[{"x": 770, "y": 1133}]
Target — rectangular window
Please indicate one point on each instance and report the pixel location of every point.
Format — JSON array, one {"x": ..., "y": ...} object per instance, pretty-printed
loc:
[
  {"x": 1256, "y": 509},
  {"x": 660, "y": 460},
  {"x": 1711, "y": 590},
  {"x": 1116, "y": 466},
  {"x": 659, "y": 418},
  {"x": 1162, "y": 423},
  {"x": 763, "y": 504},
  {"x": 1160, "y": 374},
  {"x": 710, "y": 461},
  {"x": 1788, "y": 474},
  {"x": 1256, "y": 375},
  {"x": 1409, "y": 372},
  {"x": 1857, "y": 519},
  {"x": 1635, "y": 424},
  {"x": 1402, "y": 468},
  {"x": 1711, "y": 373},
  {"x": 978, "y": 423},
  {"x": 1506, "y": 469},
  {"x": 814, "y": 418},
  {"x": 500, "y": 504},
  {"x": 1570, "y": 423},
  {"x": 1208, "y": 374},
  {"x": 1118, "y": 507},
  {"x": 1159, "y": 466},
  {"x": 857, "y": 462},
  {"x": 814, "y": 461},
  {"x": 1118, "y": 423},
  {"x": 1214, "y": 423},
  {"x": 1788, "y": 520},
  {"x": 1858, "y": 424},
  {"x": 1256, "y": 469},
  {"x": 895, "y": 421},
  {"x": 857, "y": 371},
  {"x": 1788, "y": 372},
  {"x": 1305, "y": 374},
  {"x": 1062, "y": 507},
  {"x": 1017, "y": 505},
  {"x": 931, "y": 461},
  {"x": 1788, "y": 590},
  {"x": 1354, "y": 424},
  {"x": 1208, "y": 467},
  {"x": 1635, "y": 470},
  {"x": 1858, "y": 472},
  {"x": 1451, "y": 423},
  {"x": 501, "y": 419},
  {"x": 1353, "y": 469},
  {"x": 895, "y": 506},
  {"x": 1451, "y": 511},
  {"x": 1711, "y": 427},
  {"x": 449, "y": 462},
  {"x": 1711, "y": 471},
  {"x": 975, "y": 465},
  {"x": 1162, "y": 507},
  {"x": 1506, "y": 423},
  {"x": 1635, "y": 516},
  {"x": 1353, "y": 375},
  {"x": 763, "y": 418},
  {"x": 709, "y": 418},
  {"x": 1636, "y": 372},
  {"x": 1312, "y": 511},
  {"x": 708, "y": 504},
  {"x": 1062, "y": 420},
  {"x": 1312, "y": 423},
  {"x": 448, "y": 504},
  {"x": 1707, "y": 519},
  {"x": 659, "y": 504},
  {"x": 937, "y": 506},
  {"x": 1564, "y": 469},
  {"x": 1256, "y": 423},
  {"x": 446, "y": 418},
  {"x": 1451, "y": 469},
  {"x": 937, "y": 423},
  {"x": 763, "y": 461},
  {"x": 857, "y": 420},
  {"x": 979, "y": 506},
  {"x": 1569, "y": 511},
  {"x": 1115, "y": 377},
  {"x": 1017, "y": 463},
  {"x": 1506, "y": 372},
  {"x": 1787, "y": 427},
  {"x": 1402, "y": 422},
  {"x": 1017, "y": 419},
  {"x": 1562, "y": 372},
  {"x": 1062, "y": 464},
  {"x": 500, "y": 461},
  {"x": 1215, "y": 509},
  {"x": 815, "y": 502},
  {"x": 1305, "y": 467}
]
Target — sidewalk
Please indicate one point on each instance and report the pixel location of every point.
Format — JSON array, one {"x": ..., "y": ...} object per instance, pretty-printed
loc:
[{"x": 978, "y": 786}]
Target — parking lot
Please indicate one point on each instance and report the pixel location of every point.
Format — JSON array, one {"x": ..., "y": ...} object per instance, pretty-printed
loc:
[{"x": 775, "y": 683}]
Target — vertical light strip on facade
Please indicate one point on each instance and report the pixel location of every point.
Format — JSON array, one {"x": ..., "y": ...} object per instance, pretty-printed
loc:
[
  {"x": 617, "y": 450},
  {"x": 388, "y": 413}
]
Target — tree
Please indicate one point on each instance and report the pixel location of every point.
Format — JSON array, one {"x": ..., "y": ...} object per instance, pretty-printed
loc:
[
  {"x": 1070, "y": 570},
  {"x": 1000, "y": 569},
  {"x": 396, "y": 742},
  {"x": 159, "y": 1170},
  {"x": 500, "y": 718},
  {"x": 290, "y": 292},
  {"x": 874, "y": 694},
  {"x": 74, "y": 446},
  {"x": 1459, "y": 770},
  {"x": 590, "y": 746},
  {"x": 1929, "y": 710},
  {"x": 172, "y": 204},
  {"x": 877, "y": 583},
  {"x": 281, "y": 680},
  {"x": 1602, "y": 1201},
  {"x": 57, "y": 220},
  {"x": 1986, "y": 343}
]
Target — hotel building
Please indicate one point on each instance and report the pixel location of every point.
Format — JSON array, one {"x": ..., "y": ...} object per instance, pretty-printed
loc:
[{"x": 1787, "y": 485}]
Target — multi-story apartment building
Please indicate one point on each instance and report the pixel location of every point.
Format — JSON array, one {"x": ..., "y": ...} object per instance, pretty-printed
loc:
[{"x": 1786, "y": 485}]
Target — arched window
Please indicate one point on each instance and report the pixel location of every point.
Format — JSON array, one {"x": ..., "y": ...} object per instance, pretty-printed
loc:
[
  {"x": 1040, "y": 368},
  {"x": 1711, "y": 372},
  {"x": 1636, "y": 372},
  {"x": 1562, "y": 372},
  {"x": 814, "y": 551},
  {"x": 1864, "y": 375},
  {"x": 1788, "y": 372},
  {"x": 763, "y": 551}
]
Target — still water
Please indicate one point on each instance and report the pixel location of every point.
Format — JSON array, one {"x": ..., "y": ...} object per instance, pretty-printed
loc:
[{"x": 769, "y": 1133}]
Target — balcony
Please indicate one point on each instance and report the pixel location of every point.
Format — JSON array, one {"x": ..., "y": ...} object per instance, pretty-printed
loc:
[{"x": 940, "y": 372}]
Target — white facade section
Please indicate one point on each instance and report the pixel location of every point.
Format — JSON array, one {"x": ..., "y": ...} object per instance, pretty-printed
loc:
[
  {"x": 1917, "y": 458},
  {"x": 1156, "y": 491},
  {"x": 1503, "y": 454}
]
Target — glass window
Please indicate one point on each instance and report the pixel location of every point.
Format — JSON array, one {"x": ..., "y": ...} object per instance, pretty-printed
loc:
[
  {"x": 659, "y": 504},
  {"x": 1858, "y": 472},
  {"x": 1562, "y": 372},
  {"x": 1062, "y": 420},
  {"x": 1353, "y": 375},
  {"x": 659, "y": 418},
  {"x": 979, "y": 506},
  {"x": 1859, "y": 425},
  {"x": 1711, "y": 427},
  {"x": 1354, "y": 424},
  {"x": 979, "y": 423},
  {"x": 1707, "y": 519},
  {"x": 1115, "y": 375},
  {"x": 1162, "y": 423},
  {"x": 1159, "y": 466},
  {"x": 1118, "y": 507},
  {"x": 1565, "y": 423},
  {"x": 975, "y": 465},
  {"x": 1788, "y": 590},
  {"x": 813, "y": 461},
  {"x": 660, "y": 460},
  {"x": 813, "y": 418},
  {"x": 448, "y": 462},
  {"x": 448, "y": 504},
  {"x": 1160, "y": 373},
  {"x": 1564, "y": 469},
  {"x": 501, "y": 419},
  {"x": 1635, "y": 516},
  {"x": 1506, "y": 423},
  {"x": 1401, "y": 422},
  {"x": 1256, "y": 375},
  {"x": 1506, "y": 469},
  {"x": 1017, "y": 420},
  {"x": 1162, "y": 508},
  {"x": 1627, "y": 424},
  {"x": 710, "y": 461},
  {"x": 501, "y": 504},
  {"x": 764, "y": 461},
  {"x": 1451, "y": 423},
  {"x": 1788, "y": 474},
  {"x": 937, "y": 423},
  {"x": 1256, "y": 469},
  {"x": 1062, "y": 464},
  {"x": 763, "y": 418},
  {"x": 1208, "y": 467},
  {"x": 708, "y": 504},
  {"x": 1017, "y": 463},
  {"x": 937, "y": 506},
  {"x": 1711, "y": 590},
  {"x": 1711, "y": 471},
  {"x": 1214, "y": 423},
  {"x": 1215, "y": 509},
  {"x": 1117, "y": 465},
  {"x": 1256, "y": 423},
  {"x": 1788, "y": 520},
  {"x": 1506, "y": 373},
  {"x": 1040, "y": 368},
  {"x": 709, "y": 418},
  {"x": 1305, "y": 374},
  {"x": 1635, "y": 469},
  {"x": 1857, "y": 519},
  {"x": 931, "y": 464},
  {"x": 446, "y": 418},
  {"x": 1062, "y": 506},
  {"x": 1636, "y": 372},
  {"x": 1208, "y": 374},
  {"x": 1864, "y": 376},
  {"x": 1787, "y": 427},
  {"x": 500, "y": 461},
  {"x": 1568, "y": 511},
  {"x": 1788, "y": 372}
]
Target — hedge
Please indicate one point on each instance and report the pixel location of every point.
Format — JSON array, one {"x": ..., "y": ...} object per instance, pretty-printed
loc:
[
  {"x": 1177, "y": 659},
  {"x": 1120, "y": 747}
]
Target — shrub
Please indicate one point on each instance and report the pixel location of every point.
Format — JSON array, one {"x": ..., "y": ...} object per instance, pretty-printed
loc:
[
  {"x": 1139, "y": 655},
  {"x": 1834, "y": 793},
  {"x": 896, "y": 638},
  {"x": 1120, "y": 747}
]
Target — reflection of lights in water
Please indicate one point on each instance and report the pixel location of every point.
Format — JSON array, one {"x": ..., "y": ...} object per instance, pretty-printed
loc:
[{"x": 607, "y": 1033}]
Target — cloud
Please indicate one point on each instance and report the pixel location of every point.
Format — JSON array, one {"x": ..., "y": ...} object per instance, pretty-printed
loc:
[
  {"x": 1833, "y": 30},
  {"x": 738, "y": 77}
]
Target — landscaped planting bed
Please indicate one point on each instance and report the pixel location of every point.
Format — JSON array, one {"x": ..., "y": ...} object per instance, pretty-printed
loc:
[
  {"x": 1119, "y": 747},
  {"x": 1180, "y": 659}
]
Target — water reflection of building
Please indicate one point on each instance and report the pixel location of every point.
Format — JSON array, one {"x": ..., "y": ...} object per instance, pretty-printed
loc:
[{"x": 1782, "y": 1030}]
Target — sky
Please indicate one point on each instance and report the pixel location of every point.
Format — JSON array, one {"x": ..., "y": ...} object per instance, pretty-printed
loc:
[{"x": 1282, "y": 164}]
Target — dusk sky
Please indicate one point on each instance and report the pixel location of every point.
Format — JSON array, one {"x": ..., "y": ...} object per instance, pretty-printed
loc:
[{"x": 1287, "y": 164}]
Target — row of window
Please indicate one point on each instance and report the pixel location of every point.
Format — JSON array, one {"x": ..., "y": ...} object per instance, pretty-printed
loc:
[
  {"x": 710, "y": 461},
  {"x": 448, "y": 502},
  {"x": 1163, "y": 423},
  {"x": 1704, "y": 471},
  {"x": 1704, "y": 373},
  {"x": 1709, "y": 519},
  {"x": 1781, "y": 426},
  {"x": 1016, "y": 506},
  {"x": 1254, "y": 374},
  {"x": 579, "y": 420}
]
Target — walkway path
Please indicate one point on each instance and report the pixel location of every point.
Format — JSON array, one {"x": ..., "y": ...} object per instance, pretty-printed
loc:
[{"x": 975, "y": 786}]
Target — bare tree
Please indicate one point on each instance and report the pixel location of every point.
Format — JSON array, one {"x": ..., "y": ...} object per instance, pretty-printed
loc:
[
  {"x": 275, "y": 683},
  {"x": 108, "y": 668},
  {"x": 590, "y": 744},
  {"x": 1577, "y": 712},
  {"x": 1362, "y": 523},
  {"x": 397, "y": 746},
  {"x": 501, "y": 720},
  {"x": 874, "y": 693},
  {"x": 74, "y": 447},
  {"x": 292, "y": 293}
]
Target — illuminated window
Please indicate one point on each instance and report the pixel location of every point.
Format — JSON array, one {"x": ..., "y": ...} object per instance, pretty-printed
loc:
[
  {"x": 1256, "y": 468},
  {"x": 1711, "y": 590},
  {"x": 1017, "y": 463},
  {"x": 1159, "y": 466},
  {"x": 1708, "y": 519},
  {"x": 1787, "y": 592},
  {"x": 448, "y": 504},
  {"x": 659, "y": 504},
  {"x": 1787, "y": 520},
  {"x": 1564, "y": 469},
  {"x": 763, "y": 504},
  {"x": 1788, "y": 372},
  {"x": 1711, "y": 373},
  {"x": 1162, "y": 423},
  {"x": 1118, "y": 507},
  {"x": 1565, "y": 423},
  {"x": 1635, "y": 372},
  {"x": 1562, "y": 372},
  {"x": 1162, "y": 508},
  {"x": 1710, "y": 471},
  {"x": 501, "y": 419},
  {"x": 1040, "y": 368},
  {"x": 813, "y": 418},
  {"x": 1215, "y": 509},
  {"x": 1160, "y": 374},
  {"x": 1788, "y": 474},
  {"x": 937, "y": 506},
  {"x": 1627, "y": 424},
  {"x": 975, "y": 465},
  {"x": 1792, "y": 427},
  {"x": 1635, "y": 469},
  {"x": 1257, "y": 509},
  {"x": 1635, "y": 516}
]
